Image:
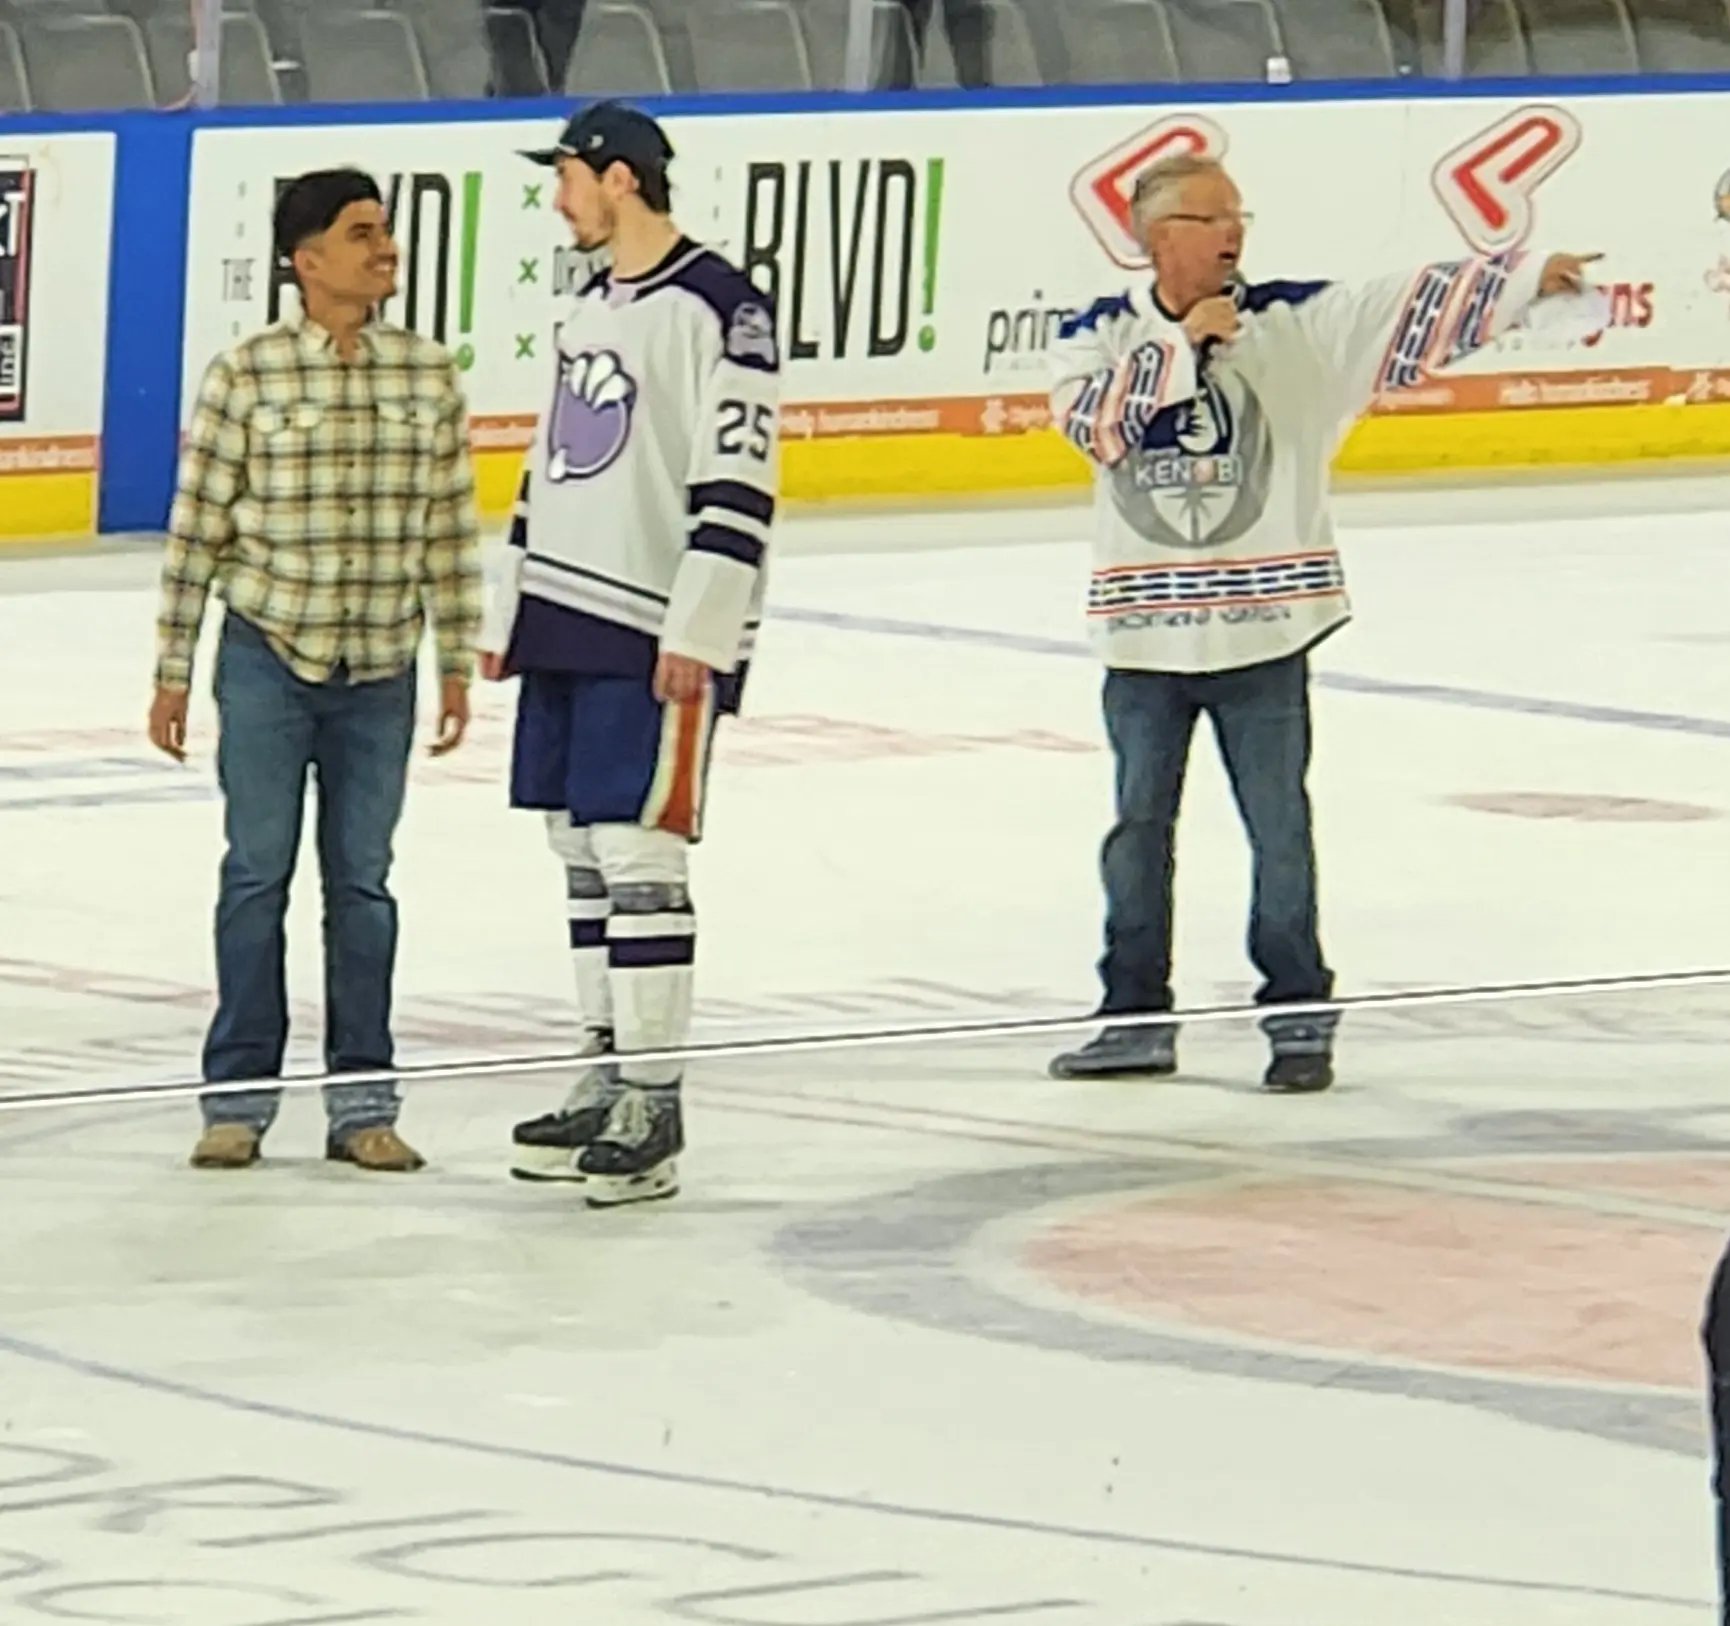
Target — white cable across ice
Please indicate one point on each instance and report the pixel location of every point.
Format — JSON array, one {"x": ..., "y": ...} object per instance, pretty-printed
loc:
[{"x": 876, "y": 1038}]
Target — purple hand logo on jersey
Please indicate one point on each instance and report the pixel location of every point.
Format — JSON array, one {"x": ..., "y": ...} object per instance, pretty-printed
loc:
[{"x": 591, "y": 417}]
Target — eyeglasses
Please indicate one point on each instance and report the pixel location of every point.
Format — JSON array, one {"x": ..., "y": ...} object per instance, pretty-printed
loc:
[{"x": 1246, "y": 220}]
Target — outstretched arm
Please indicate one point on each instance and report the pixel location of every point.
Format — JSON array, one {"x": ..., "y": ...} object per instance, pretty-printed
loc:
[{"x": 1395, "y": 331}]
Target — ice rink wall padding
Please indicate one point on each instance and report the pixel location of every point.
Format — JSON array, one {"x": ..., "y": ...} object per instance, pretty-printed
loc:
[{"x": 922, "y": 247}]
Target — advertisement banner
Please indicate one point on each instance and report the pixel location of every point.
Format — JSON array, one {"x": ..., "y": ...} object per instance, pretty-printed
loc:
[
  {"x": 17, "y": 239},
  {"x": 922, "y": 261},
  {"x": 56, "y": 208}
]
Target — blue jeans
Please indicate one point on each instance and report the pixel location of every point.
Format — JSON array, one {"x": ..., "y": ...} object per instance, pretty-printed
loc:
[
  {"x": 356, "y": 738},
  {"x": 1260, "y": 716}
]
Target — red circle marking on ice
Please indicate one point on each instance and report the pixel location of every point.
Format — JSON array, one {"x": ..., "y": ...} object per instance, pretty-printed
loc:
[{"x": 1444, "y": 1280}]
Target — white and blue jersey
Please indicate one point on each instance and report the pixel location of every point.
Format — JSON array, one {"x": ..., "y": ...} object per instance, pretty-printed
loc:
[
  {"x": 1214, "y": 545},
  {"x": 649, "y": 492}
]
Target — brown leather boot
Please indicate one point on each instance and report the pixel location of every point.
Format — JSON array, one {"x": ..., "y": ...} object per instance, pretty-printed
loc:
[
  {"x": 379, "y": 1148},
  {"x": 227, "y": 1146}
]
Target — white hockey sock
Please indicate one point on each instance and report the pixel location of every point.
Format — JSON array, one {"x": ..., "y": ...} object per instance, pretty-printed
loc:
[
  {"x": 651, "y": 945},
  {"x": 588, "y": 907}
]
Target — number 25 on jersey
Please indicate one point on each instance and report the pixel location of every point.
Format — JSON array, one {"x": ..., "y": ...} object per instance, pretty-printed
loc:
[{"x": 745, "y": 429}]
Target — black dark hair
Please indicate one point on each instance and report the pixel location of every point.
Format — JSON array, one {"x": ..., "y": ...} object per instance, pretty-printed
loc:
[
  {"x": 654, "y": 189},
  {"x": 309, "y": 204}
]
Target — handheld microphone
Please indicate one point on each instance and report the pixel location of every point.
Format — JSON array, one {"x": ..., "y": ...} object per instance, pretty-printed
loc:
[{"x": 1236, "y": 289}]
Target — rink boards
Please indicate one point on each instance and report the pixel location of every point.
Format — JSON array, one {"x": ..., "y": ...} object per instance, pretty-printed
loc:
[{"x": 921, "y": 250}]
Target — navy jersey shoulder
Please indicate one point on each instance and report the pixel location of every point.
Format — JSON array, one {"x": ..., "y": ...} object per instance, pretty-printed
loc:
[
  {"x": 1256, "y": 297},
  {"x": 1087, "y": 321},
  {"x": 744, "y": 313}
]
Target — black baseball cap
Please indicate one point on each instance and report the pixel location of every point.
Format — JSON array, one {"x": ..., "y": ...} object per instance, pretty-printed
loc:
[{"x": 607, "y": 133}]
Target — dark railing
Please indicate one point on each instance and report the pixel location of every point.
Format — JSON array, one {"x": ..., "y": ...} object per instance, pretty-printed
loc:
[{"x": 75, "y": 55}]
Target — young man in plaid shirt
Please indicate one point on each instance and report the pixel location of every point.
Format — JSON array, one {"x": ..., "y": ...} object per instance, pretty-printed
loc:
[{"x": 325, "y": 492}]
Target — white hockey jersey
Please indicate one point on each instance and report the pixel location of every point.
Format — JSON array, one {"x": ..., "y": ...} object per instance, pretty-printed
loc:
[
  {"x": 1214, "y": 545},
  {"x": 649, "y": 491}
]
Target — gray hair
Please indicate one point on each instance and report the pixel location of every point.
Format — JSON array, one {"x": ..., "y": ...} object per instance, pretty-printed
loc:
[{"x": 1154, "y": 186}]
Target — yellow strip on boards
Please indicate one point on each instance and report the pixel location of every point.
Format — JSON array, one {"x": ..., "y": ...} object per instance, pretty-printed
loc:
[
  {"x": 936, "y": 466},
  {"x": 1572, "y": 437},
  {"x": 860, "y": 468},
  {"x": 497, "y": 476},
  {"x": 38, "y": 506},
  {"x": 856, "y": 469}
]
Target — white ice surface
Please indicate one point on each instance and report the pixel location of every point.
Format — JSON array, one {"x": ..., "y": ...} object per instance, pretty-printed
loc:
[{"x": 452, "y": 1399}]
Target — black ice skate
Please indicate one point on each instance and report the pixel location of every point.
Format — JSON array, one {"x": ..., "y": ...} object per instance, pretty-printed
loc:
[
  {"x": 632, "y": 1161},
  {"x": 547, "y": 1147}
]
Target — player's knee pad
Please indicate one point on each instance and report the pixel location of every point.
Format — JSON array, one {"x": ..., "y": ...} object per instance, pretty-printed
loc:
[
  {"x": 650, "y": 898},
  {"x": 651, "y": 943},
  {"x": 646, "y": 871}
]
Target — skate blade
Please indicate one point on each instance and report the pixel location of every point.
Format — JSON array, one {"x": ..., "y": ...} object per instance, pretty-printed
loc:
[
  {"x": 615, "y": 1191},
  {"x": 546, "y": 1165}
]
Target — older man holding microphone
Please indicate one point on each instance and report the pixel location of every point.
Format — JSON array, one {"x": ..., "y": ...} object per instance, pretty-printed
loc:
[{"x": 1210, "y": 408}]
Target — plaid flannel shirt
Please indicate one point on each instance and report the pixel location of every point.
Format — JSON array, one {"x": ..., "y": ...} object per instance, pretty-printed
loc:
[{"x": 330, "y": 503}]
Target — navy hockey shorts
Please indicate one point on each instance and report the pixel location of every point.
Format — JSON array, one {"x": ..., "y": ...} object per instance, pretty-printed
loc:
[{"x": 606, "y": 751}]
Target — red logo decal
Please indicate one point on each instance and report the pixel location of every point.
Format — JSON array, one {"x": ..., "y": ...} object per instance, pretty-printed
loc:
[
  {"x": 1487, "y": 184},
  {"x": 1101, "y": 192}
]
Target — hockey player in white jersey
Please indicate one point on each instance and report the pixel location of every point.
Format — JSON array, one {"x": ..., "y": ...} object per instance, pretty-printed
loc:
[
  {"x": 629, "y": 600},
  {"x": 1210, "y": 408}
]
